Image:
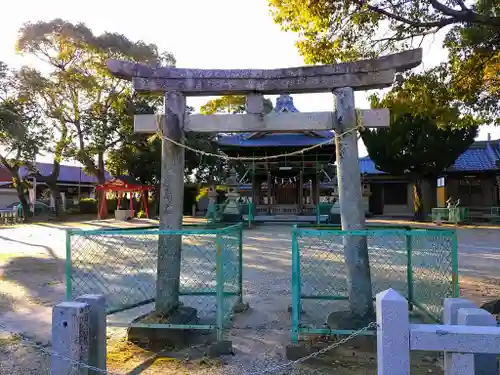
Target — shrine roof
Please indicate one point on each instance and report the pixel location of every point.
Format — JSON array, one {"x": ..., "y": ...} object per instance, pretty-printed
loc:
[
  {"x": 122, "y": 183},
  {"x": 275, "y": 139},
  {"x": 67, "y": 173},
  {"x": 481, "y": 156},
  {"x": 284, "y": 103}
]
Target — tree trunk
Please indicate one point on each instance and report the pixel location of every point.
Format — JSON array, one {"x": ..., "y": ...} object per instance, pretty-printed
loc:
[
  {"x": 101, "y": 177},
  {"x": 418, "y": 200},
  {"x": 21, "y": 194},
  {"x": 56, "y": 194}
]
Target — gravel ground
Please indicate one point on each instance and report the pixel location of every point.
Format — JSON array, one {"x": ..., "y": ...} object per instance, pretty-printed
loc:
[{"x": 32, "y": 270}]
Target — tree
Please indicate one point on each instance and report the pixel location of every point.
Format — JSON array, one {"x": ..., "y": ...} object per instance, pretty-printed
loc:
[
  {"x": 140, "y": 150},
  {"x": 474, "y": 58},
  {"x": 44, "y": 92},
  {"x": 426, "y": 135},
  {"x": 78, "y": 90},
  {"x": 334, "y": 31},
  {"x": 23, "y": 135},
  {"x": 230, "y": 104}
]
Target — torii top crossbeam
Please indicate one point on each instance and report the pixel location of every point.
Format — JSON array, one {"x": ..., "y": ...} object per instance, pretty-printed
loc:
[{"x": 359, "y": 75}]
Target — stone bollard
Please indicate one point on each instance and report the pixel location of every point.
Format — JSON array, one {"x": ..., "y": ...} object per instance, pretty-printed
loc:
[
  {"x": 454, "y": 361},
  {"x": 484, "y": 364},
  {"x": 70, "y": 338},
  {"x": 393, "y": 334},
  {"x": 97, "y": 330}
]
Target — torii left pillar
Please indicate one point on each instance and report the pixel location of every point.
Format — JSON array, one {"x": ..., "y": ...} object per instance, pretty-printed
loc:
[{"x": 171, "y": 193}]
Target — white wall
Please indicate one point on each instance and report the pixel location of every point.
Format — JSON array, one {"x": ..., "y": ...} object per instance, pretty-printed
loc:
[{"x": 8, "y": 196}]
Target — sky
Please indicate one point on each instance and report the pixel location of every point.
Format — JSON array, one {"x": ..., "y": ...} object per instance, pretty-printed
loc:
[{"x": 201, "y": 34}]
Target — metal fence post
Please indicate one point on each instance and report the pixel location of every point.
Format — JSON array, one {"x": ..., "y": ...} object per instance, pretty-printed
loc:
[
  {"x": 70, "y": 338},
  {"x": 296, "y": 307},
  {"x": 409, "y": 267},
  {"x": 454, "y": 265},
  {"x": 393, "y": 334},
  {"x": 219, "y": 286},
  {"x": 240, "y": 264},
  {"x": 318, "y": 214},
  {"x": 68, "y": 265},
  {"x": 97, "y": 330}
]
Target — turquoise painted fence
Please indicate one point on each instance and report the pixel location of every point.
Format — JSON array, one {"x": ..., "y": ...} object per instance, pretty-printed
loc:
[
  {"x": 421, "y": 264},
  {"x": 121, "y": 264}
]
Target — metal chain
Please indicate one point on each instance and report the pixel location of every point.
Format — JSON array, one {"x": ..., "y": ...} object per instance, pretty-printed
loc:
[
  {"x": 315, "y": 354},
  {"x": 52, "y": 353},
  {"x": 265, "y": 371},
  {"x": 250, "y": 158}
]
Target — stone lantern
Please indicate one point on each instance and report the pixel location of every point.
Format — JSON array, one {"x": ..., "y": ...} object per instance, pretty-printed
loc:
[{"x": 232, "y": 212}]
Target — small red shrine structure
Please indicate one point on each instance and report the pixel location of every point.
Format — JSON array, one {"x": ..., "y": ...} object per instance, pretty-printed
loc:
[{"x": 122, "y": 185}]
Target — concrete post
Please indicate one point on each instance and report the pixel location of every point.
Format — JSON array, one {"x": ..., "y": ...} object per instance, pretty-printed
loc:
[
  {"x": 460, "y": 364},
  {"x": 451, "y": 307},
  {"x": 450, "y": 316},
  {"x": 97, "y": 330},
  {"x": 484, "y": 364},
  {"x": 351, "y": 212},
  {"x": 70, "y": 338},
  {"x": 393, "y": 335},
  {"x": 171, "y": 199}
]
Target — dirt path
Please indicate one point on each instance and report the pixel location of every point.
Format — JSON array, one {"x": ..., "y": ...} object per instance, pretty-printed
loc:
[{"x": 32, "y": 281}]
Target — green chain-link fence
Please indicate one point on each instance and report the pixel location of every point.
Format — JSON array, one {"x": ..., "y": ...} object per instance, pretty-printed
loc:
[
  {"x": 122, "y": 265},
  {"x": 421, "y": 264}
]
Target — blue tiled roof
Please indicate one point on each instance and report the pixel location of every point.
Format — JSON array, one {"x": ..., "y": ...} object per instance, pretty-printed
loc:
[
  {"x": 68, "y": 173},
  {"x": 481, "y": 156},
  {"x": 275, "y": 140},
  {"x": 367, "y": 166}
]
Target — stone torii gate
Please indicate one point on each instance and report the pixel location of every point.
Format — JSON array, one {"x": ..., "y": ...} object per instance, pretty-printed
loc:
[{"x": 341, "y": 79}]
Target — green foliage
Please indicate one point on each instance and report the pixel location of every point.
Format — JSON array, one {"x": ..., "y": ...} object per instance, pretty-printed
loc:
[
  {"x": 416, "y": 144},
  {"x": 23, "y": 134},
  {"x": 341, "y": 30},
  {"x": 331, "y": 31},
  {"x": 88, "y": 206},
  {"x": 131, "y": 157},
  {"x": 429, "y": 95},
  {"x": 427, "y": 131},
  {"x": 78, "y": 91},
  {"x": 230, "y": 104}
]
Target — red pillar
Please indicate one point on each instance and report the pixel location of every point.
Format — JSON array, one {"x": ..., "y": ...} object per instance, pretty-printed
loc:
[
  {"x": 102, "y": 212},
  {"x": 131, "y": 205}
]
